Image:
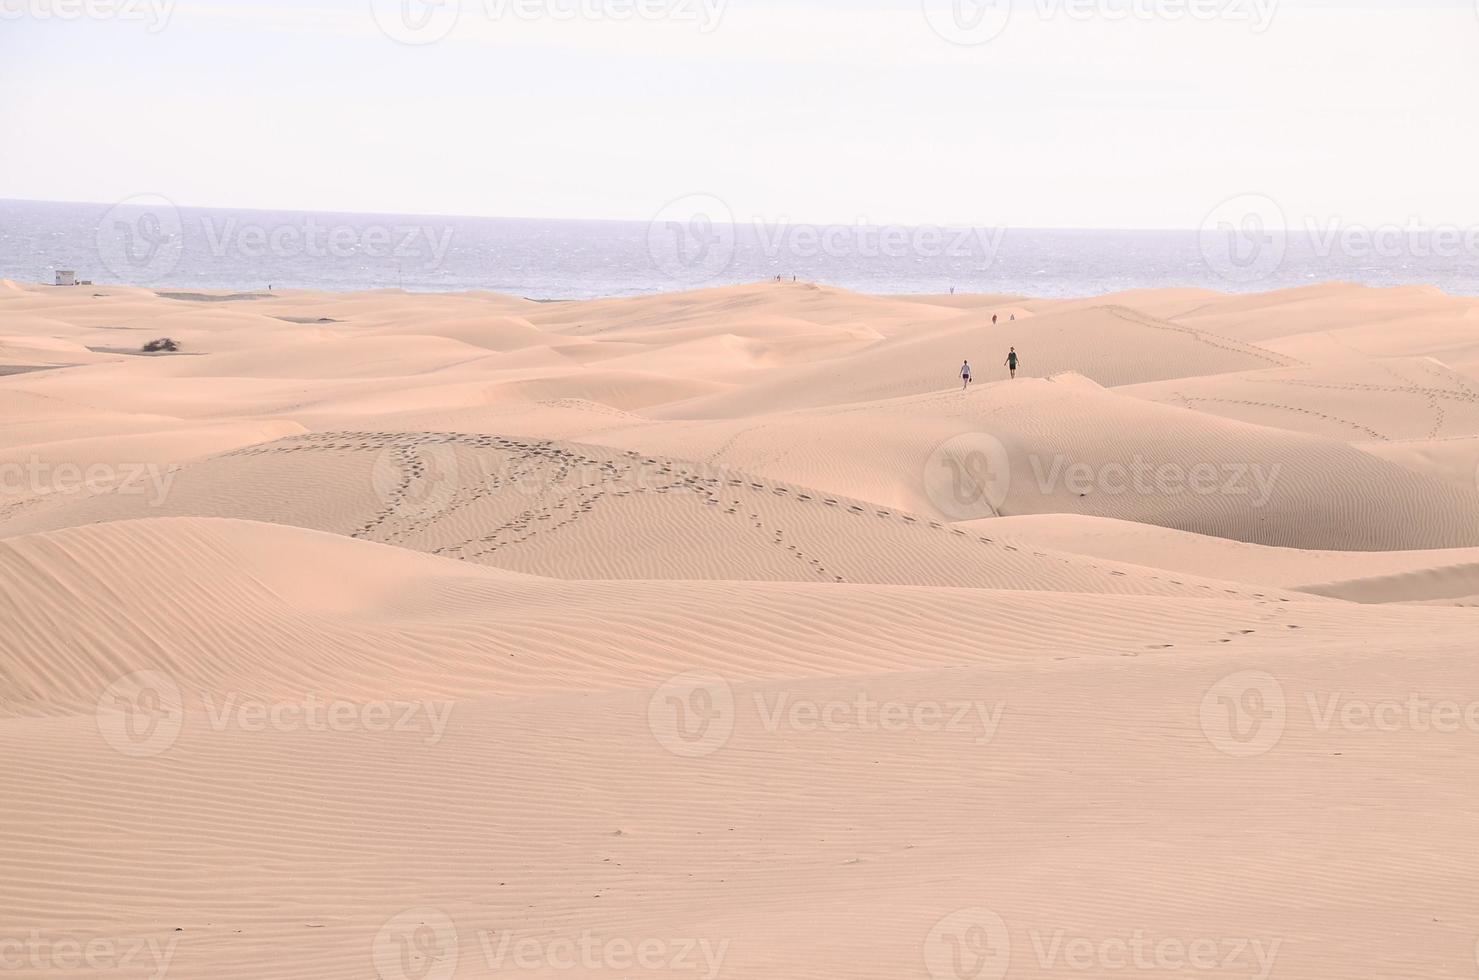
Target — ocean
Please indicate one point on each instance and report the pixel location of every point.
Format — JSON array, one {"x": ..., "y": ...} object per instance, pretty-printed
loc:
[{"x": 150, "y": 242}]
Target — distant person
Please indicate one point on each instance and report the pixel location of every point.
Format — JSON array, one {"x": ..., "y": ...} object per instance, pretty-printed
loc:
[
  {"x": 1011, "y": 361},
  {"x": 1014, "y": 318},
  {"x": 993, "y": 319},
  {"x": 952, "y": 290},
  {"x": 965, "y": 375}
]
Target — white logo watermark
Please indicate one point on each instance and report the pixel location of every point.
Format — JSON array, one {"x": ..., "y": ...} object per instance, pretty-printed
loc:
[
  {"x": 1244, "y": 713},
  {"x": 694, "y": 240},
  {"x": 421, "y": 22},
  {"x": 153, "y": 13},
  {"x": 424, "y": 944},
  {"x": 971, "y": 944},
  {"x": 1247, "y": 713},
  {"x": 782, "y": 711},
  {"x": 1247, "y": 239},
  {"x": 36, "y": 476},
  {"x": 428, "y": 719},
  {"x": 416, "y": 482},
  {"x": 143, "y": 238},
  {"x": 37, "y": 954},
  {"x": 968, "y": 22},
  {"x": 311, "y": 238},
  {"x": 143, "y": 713},
  {"x": 417, "y": 944},
  {"x": 1243, "y": 239},
  {"x": 692, "y": 715},
  {"x": 1145, "y": 478},
  {"x": 787, "y": 239},
  {"x": 1097, "y": 955},
  {"x": 140, "y": 239},
  {"x": 975, "y": 22},
  {"x": 1414, "y": 238},
  {"x": 976, "y": 944},
  {"x": 971, "y": 476},
  {"x": 968, "y": 476},
  {"x": 589, "y": 952}
]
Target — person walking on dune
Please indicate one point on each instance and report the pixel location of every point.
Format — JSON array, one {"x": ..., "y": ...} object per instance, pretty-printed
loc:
[
  {"x": 965, "y": 375},
  {"x": 1011, "y": 361}
]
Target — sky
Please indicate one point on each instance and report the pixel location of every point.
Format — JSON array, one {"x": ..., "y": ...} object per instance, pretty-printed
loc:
[{"x": 1044, "y": 113}]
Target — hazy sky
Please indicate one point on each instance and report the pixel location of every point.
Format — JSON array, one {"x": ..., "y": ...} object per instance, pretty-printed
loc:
[{"x": 1057, "y": 113}]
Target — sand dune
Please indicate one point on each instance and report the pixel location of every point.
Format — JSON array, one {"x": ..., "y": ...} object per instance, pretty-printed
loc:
[
  {"x": 1374, "y": 576},
  {"x": 1372, "y": 400},
  {"x": 1066, "y": 447},
  {"x": 419, "y": 637},
  {"x": 1112, "y": 345},
  {"x": 18, "y": 354},
  {"x": 561, "y": 509},
  {"x": 289, "y": 609}
]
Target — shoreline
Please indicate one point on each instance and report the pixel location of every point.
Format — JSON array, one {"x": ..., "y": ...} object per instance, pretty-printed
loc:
[{"x": 231, "y": 293}]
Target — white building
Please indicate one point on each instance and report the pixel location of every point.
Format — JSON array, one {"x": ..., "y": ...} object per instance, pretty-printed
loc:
[{"x": 66, "y": 277}]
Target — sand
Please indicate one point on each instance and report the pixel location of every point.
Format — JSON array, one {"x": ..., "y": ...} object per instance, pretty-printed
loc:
[{"x": 721, "y": 634}]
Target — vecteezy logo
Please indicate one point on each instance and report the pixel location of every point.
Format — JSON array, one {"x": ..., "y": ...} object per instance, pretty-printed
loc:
[
  {"x": 692, "y": 715},
  {"x": 416, "y": 21},
  {"x": 140, "y": 239},
  {"x": 141, "y": 714},
  {"x": 968, "y": 477},
  {"x": 415, "y": 482},
  {"x": 972, "y": 944},
  {"x": 1243, "y": 714},
  {"x": 969, "y": 22},
  {"x": 418, "y": 944},
  {"x": 1244, "y": 239},
  {"x": 691, "y": 240}
]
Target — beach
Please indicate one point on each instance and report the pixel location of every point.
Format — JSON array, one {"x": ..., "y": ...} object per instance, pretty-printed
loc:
[{"x": 725, "y": 633}]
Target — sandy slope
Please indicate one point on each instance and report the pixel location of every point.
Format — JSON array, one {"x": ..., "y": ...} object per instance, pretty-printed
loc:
[
  {"x": 1377, "y": 576},
  {"x": 420, "y": 637},
  {"x": 1391, "y": 399}
]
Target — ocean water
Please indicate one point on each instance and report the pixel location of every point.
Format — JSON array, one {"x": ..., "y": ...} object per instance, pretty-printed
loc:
[{"x": 150, "y": 242}]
